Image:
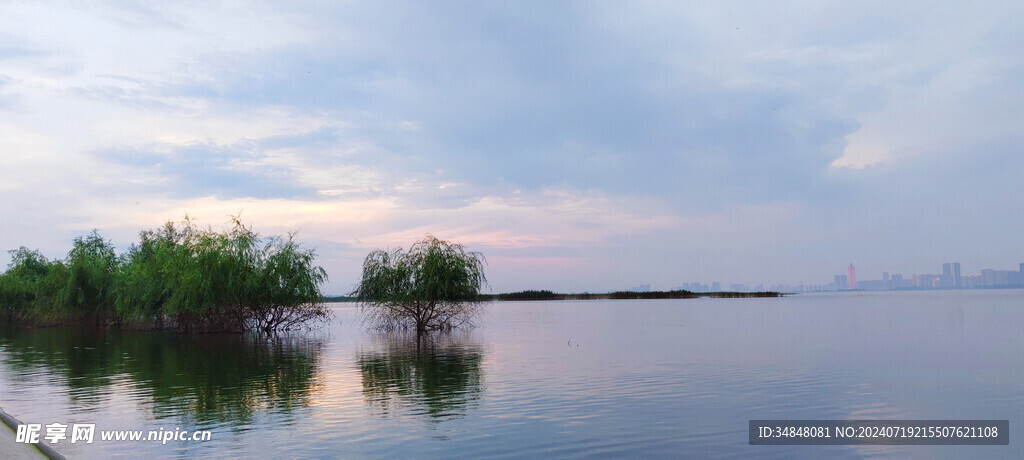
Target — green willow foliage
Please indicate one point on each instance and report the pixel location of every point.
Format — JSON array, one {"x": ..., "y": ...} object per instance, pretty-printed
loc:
[
  {"x": 440, "y": 375},
  {"x": 178, "y": 276},
  {"x": 217, "y": 378},
  {"x": 433, "y": 286}
]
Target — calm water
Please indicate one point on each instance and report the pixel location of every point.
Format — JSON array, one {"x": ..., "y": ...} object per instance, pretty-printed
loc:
[{"x": 575, "y": 379}]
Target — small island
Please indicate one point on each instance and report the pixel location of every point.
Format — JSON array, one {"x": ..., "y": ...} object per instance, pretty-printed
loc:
[
  {"x": 615, "y": 295},
  {"x": 629, "y": 295}
]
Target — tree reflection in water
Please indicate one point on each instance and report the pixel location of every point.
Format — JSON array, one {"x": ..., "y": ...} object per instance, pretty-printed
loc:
[
  {"x": 206, "y": 378},
  {"x": 438, "y": 375}
]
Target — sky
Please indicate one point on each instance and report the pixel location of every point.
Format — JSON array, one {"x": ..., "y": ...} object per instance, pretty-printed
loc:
[{"x": 579, "y": 146}]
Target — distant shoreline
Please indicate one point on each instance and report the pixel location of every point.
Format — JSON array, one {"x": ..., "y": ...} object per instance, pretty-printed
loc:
[{"x": 618, "y": 295}]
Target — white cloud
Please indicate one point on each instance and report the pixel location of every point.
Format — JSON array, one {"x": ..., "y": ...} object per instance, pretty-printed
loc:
[{"x": 952, "y": 111}]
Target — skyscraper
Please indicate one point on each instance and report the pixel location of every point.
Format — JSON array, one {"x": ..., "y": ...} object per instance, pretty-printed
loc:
[
  {"x": 947, "y": 275},
  {"x": 851, "y": 277},
  {"x": 957, "y": 281}
]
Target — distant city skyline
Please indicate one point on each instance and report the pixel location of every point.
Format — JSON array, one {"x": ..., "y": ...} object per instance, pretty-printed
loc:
[{"x": 950, "y": 278}]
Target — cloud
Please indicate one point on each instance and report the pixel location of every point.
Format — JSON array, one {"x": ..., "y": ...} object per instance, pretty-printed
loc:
[
  {"x": 669, "y": 140},
  {"x": 201, "y": 170},
  {"x": 949, "y": 84},
  {"x": 535, "y": 105},
  {"x": 6, "y": 99}
]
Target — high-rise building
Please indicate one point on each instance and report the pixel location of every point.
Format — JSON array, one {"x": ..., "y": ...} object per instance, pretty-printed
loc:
[
  {"x": 927, "y": 281},
  {"x": 992, "y": 277},
  {"x": 851, "y": 277},
  {"x": 947, "y": 275},
  {"x": 886, "y": 284},
  {"x": 840, "y": 282},
  {"x": 957, "y": 281}
]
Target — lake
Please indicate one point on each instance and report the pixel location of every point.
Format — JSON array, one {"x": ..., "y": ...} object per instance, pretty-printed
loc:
[{"x": 629, "y": 378}]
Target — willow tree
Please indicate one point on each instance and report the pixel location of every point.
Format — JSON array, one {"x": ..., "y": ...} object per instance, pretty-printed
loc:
[
  {"x": 28, "y": 282},
  {"x": 435, "y": 285},
  {"x": 183, "y": 276},
  {"x": 232, "y": 280}
]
